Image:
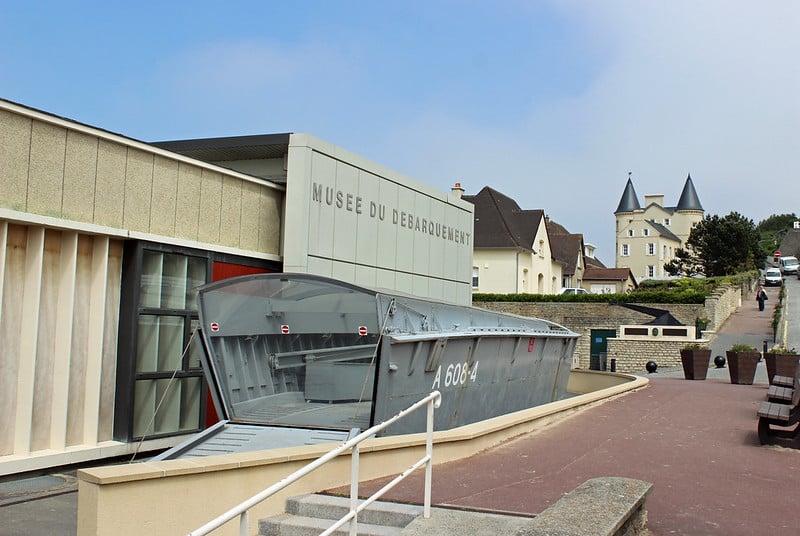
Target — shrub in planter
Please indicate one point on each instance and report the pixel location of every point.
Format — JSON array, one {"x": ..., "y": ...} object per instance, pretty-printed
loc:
[
  {"x": 694, "y": 359},
  {"x": 700, "y": 325},
  {"x": 742, "y": 362},
  {"x": 781, "y": 361}
]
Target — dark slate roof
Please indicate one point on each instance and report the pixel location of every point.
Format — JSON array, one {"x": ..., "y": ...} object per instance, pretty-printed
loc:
[
  {"x": 501, "y": 223},
  {"x": 629, "y": 202},
  {"x": 592, "y": 262},
  {"x": 608, "y": 274},
  {"x": 230, "y": 148},
  {"x": 790, "y": 245},
  {"x": 566, "y": 247},
  {"x": 663, "y": 231},
  {"x": 689, "y": 199}
]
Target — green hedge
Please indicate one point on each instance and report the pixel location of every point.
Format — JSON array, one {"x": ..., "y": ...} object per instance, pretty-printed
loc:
[
  {"x": 685, "y": 290},
  {"x": 650, "y": 296}
]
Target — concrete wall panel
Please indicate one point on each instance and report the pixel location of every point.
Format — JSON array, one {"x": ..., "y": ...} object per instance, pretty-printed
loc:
[
  {"x": 210, "y": 206},
  {"x": 109, "y": 203},
  {"x": 46, "y": 176},
  {"x": 230, "y": 211},
  {"x": 248, "y": 231},
  {"x": 80, "y": 172},
  {"x": 15, "y": 136},
  {"x": 163, "y": 206},
  {"x": 187, "y": 211},
  {"x": 269, "y": 222},
  {"x": 138, "y": 191}
]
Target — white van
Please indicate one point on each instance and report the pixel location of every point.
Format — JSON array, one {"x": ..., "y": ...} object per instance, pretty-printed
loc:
[{"x": 788, "y": 265}]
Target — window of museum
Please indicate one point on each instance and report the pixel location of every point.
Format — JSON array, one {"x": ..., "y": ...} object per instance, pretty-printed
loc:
[
  {"x": 630, "y": 232},
  {"x": 161, "y": 389},
  {"x": 168, "y": 381},
  {"x": 667, "y": 221},
  {"x": 645, "y": 232},
  {"x": 475, "y": 279},
  {"x": 651, "y": 248},
  {"x": 625, "y": 250},
  {"x": 651, "y": 271}
]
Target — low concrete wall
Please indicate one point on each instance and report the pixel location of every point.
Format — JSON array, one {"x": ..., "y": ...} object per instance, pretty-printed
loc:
[
  {"x": 177, "y": 496},
  {"x": 608, "y": 506}
]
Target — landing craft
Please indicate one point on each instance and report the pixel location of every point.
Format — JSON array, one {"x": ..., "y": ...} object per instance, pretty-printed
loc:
[{"x": 295, "y": 359}]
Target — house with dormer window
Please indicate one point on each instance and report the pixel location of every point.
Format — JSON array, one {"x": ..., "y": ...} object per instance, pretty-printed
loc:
[{"x": 512, "y": 251}]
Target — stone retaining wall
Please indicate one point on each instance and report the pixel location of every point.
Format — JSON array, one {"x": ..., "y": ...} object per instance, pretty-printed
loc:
[{"x": 582, "y": 318}]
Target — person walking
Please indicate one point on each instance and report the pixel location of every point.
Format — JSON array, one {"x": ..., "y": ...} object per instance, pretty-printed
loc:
[{"x": 761, "y": 297}]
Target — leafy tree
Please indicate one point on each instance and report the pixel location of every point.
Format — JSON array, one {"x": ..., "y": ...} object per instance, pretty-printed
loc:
[
  {"x": 772, "y": 230},
  {"x": 718, "y": 246},
  {"x": 776, "y": 223}
]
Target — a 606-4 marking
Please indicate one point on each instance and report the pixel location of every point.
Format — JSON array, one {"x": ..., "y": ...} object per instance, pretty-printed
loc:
[{"x": 455, "y": 374}]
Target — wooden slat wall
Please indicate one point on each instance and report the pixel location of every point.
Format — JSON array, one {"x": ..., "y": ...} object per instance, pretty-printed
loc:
[{"x": 58, "y": 327}]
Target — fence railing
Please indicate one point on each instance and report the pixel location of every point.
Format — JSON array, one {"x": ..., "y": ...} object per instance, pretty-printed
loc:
[{"x": 242, "y": 510}]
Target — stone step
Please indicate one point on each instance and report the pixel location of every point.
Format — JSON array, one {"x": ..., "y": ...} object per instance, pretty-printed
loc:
[
  {"x": 334, "y": 507},
  {"x": 293, "y": 525},
  {"x": 313, "y": 514}
]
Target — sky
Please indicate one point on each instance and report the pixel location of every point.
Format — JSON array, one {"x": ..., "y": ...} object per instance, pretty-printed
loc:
[{"x": 550, "y": 102}]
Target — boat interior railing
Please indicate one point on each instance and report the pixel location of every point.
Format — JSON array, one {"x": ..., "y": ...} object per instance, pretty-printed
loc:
[{"x": 242, "y": 510}]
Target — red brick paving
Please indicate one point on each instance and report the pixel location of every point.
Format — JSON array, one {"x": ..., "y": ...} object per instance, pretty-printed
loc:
[{"x": 695, "y": 441}]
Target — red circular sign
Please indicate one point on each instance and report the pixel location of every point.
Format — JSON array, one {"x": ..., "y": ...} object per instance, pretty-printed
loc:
[
  {"x": 284, "y": 329},
  {"x": 214, "y": 326},
  {"x": 362, "y": 330},
  {"x": 777, "y": 253}
]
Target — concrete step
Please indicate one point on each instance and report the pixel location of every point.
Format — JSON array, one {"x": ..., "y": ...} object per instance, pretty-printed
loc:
[
  {"x": 292, "y": 525},
  {"x": 333, "y": 507},
  {"x": 312, "y": 514}
]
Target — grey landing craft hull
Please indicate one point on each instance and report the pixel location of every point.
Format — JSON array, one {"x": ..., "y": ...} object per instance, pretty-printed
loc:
[{"x": 296, "y": 359}]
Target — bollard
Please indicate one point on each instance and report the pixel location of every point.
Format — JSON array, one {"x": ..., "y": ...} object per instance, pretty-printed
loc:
[
  {"x": 613, "y": 365},
  {"x": 765, "y": 351}
]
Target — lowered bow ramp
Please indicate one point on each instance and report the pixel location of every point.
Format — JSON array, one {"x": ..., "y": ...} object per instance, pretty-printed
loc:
[{"x": 293, "y": 358}]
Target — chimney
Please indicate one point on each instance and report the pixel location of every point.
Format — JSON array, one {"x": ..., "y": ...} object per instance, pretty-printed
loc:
[{"x": 457, "y": 190}]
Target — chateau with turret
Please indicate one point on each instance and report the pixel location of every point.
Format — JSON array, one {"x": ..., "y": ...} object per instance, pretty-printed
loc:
[{"x": 648, "y": 236}]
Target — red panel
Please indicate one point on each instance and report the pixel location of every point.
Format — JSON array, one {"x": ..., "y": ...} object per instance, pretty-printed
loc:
[
  {"x": 224, "y": 270},
  {"x": 219, "y": 271}
]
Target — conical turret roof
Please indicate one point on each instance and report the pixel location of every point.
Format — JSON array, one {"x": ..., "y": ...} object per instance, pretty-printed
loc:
[
  {"x": 629, "y": 201},
  {"x": 689, "y": 199}
]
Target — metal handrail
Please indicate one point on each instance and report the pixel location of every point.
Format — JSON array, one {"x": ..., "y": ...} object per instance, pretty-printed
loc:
[{"x": 432, "y": 401}]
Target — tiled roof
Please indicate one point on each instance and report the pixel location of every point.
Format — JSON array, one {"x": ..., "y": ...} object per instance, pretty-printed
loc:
[
  {"x": 501, "y": 223},
  {"x": 593, "y": 262},
  {"x": 608, "y": 274},
  {"x": 663, "y": 231},
  {"x": 566, "y": 247}
]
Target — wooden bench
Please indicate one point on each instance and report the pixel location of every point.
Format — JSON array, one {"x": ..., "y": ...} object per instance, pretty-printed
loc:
[
  {"x": 781, "y": 415},
  {"x": 781, "y": 395},
  {"x": 783, "y": 381}
]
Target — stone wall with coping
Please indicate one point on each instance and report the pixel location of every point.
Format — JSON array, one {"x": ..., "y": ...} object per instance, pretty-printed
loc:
[
  {"x": 633, "y": 355},
  {"x": 582, "y": 318}
]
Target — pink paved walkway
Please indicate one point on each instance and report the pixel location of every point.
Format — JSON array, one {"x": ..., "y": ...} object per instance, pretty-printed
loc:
[{"x": 694, "y": 440}]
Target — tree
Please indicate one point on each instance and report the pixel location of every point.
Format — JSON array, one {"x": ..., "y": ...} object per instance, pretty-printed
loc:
[
  {"x": 772, "y": 230},
  {"x": 718, "y": 246}
]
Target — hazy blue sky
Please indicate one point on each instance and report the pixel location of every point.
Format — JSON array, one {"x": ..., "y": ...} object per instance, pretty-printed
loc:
[{"x": 550, "y": 102}]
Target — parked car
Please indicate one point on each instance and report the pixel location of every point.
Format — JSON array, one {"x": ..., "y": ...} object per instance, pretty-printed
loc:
[
  {"x": 573, "y": 291},
  {"x": 788, "y": 265},
  {"x": 773, "y": 277}
]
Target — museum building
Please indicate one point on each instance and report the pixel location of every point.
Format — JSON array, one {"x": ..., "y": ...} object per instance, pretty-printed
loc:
[{"x": 104, "y": 240}]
